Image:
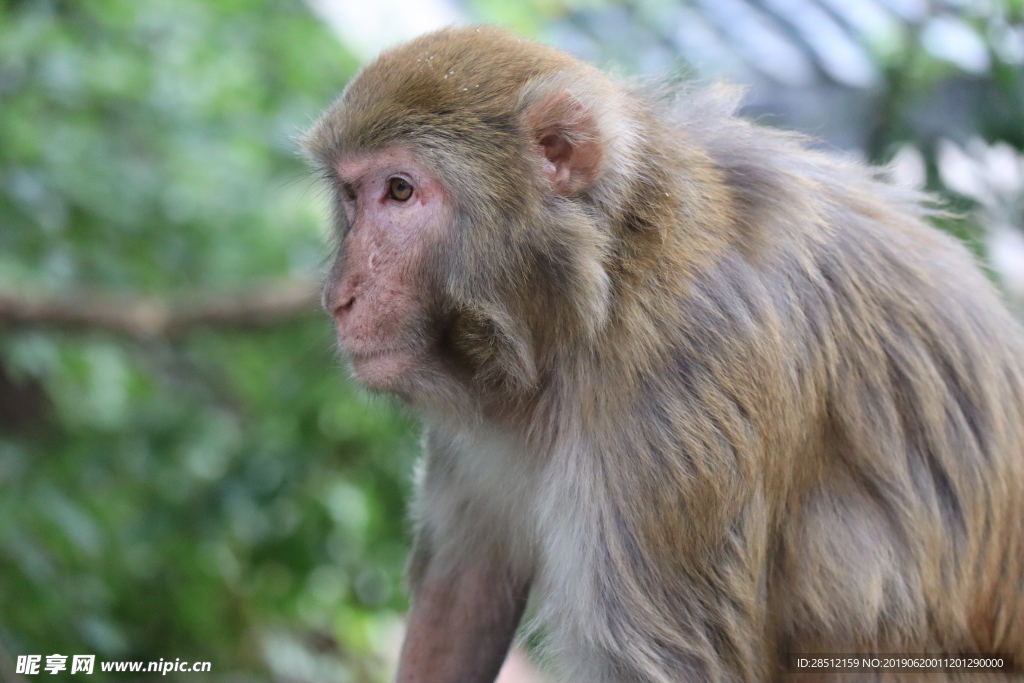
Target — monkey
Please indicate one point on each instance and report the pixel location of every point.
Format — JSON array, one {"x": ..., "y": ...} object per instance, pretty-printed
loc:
[{"x": 699, "y": 395}]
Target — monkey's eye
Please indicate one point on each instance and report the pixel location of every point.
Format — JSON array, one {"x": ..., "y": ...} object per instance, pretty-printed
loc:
[
  {"x": 399, "y": 189},
  {"x": 348, "y": 191}
]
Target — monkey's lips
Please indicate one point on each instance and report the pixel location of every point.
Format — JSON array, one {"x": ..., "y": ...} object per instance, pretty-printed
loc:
[{"x": 381, "y": 369}]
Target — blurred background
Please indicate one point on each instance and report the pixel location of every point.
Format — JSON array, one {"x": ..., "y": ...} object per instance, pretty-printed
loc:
[{"x": 185, "y": 469}]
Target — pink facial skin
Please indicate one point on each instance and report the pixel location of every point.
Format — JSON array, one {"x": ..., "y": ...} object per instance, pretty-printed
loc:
[{"x": 379, "y": 281}]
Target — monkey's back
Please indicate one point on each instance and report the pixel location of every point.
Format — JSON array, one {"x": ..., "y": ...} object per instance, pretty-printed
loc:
[{"x": 902, "y": 372}]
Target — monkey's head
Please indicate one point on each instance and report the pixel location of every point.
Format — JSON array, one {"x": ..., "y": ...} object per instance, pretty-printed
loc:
[{"x": 471, "y": 173}]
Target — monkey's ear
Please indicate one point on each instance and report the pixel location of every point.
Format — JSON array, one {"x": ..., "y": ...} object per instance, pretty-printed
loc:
[{"x": 568, "y": 139}]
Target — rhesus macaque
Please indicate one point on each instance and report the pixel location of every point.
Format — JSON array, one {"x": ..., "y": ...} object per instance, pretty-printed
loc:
[{"x": 704, "y": 396}]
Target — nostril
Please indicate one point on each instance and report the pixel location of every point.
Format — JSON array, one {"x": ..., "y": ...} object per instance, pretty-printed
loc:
[{"x": 342, "y": 310}]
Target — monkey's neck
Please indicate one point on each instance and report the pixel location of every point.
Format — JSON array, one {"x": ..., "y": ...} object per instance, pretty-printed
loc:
[{"x": 667, "y": 243}]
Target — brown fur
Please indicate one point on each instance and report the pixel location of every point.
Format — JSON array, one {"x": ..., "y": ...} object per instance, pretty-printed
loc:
[{"x": 716, "y": 397}]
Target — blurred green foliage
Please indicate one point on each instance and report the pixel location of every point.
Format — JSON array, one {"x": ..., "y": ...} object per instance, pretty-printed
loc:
[{"x": 225, "y": 497}]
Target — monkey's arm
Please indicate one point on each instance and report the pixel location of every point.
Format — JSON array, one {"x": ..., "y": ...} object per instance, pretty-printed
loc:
[
  {"x": 462, "y": 623},
  {"x": 470, "y": 578}
]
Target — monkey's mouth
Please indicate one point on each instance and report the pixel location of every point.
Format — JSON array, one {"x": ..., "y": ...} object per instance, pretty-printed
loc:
[{"x": 381, "y": 369}]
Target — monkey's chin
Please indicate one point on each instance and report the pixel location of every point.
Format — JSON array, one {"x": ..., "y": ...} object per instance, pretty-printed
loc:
[{"x": 382, "y": 371}]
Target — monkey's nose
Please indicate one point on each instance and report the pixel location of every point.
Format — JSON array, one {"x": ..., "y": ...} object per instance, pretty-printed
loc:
[{"x": 342, "y": 310}]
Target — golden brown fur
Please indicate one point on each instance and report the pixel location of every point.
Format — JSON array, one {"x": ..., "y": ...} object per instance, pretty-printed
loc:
[{"x": 721, "y": 400}]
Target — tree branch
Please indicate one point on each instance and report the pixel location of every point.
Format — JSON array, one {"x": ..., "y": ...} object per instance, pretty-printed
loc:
[{"x": 151, "y": 317}]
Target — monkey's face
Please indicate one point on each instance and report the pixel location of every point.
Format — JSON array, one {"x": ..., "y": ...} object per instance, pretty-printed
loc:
[
  {"x": 470, "y": 253},
  {"x": 378, "y": 288},
  {"x": 431, "y": 295}
]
